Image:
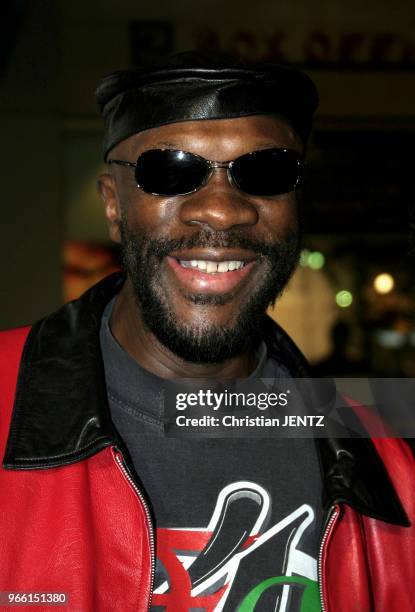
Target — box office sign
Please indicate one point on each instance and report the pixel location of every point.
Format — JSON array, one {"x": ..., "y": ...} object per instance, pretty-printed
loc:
[{"x": 313, "y": 47}]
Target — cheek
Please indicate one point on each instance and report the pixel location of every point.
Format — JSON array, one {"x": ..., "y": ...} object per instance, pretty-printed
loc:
[
  {"x": 149, "y": 214},
  {"x": 280, "y": 216}
]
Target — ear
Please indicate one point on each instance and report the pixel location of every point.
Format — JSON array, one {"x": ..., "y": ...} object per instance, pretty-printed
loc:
[{"x": 107, "y": 189}]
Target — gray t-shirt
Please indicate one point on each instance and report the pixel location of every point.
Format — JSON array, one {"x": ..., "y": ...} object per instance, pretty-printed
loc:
[{"x": 233, "y": 516}]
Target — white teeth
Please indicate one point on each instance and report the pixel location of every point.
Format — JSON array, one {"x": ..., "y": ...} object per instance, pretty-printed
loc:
[{"x": 211, "y": 267}]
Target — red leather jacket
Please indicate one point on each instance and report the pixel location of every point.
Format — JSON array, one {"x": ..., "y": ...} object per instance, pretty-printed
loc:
[{"x": 73, "y": 519}]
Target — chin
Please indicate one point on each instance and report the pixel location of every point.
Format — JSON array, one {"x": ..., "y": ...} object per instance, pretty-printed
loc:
[{"x": 201, "y": 340}]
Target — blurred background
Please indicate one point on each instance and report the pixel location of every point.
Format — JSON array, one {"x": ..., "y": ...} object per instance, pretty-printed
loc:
[{"x": 350, "y": 306}]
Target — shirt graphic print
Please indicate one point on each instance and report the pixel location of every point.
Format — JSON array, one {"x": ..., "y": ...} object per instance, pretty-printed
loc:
[{"x": 215, "y": 567}]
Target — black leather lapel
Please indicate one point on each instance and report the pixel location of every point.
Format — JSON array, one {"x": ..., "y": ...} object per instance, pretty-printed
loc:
[
  {"x": 61, "y": 411},
  {"x": 354, "y": 474}
]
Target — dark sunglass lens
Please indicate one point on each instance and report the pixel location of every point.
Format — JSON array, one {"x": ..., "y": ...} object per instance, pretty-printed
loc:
[
  {"x": 268, "y": 172},
  {"x": 169, "y": 173}
]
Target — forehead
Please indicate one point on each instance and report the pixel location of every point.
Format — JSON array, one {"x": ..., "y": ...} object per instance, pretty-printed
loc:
[{"x": 215, "y": 138}]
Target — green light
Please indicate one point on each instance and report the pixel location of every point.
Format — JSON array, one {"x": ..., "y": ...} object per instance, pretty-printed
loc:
[
  {"x": 316, "y": 260},
  {"x": 344, "y": 299},
  {"x": 305, "y": 253}
]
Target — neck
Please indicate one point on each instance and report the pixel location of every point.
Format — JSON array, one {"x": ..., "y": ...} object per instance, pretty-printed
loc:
[{"x": 130, "y": 332}]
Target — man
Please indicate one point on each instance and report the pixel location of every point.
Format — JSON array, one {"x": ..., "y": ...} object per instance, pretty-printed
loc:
[{"x": 97, "y": 503}]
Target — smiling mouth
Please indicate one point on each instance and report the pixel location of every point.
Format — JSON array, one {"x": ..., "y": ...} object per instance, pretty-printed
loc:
[
  {"x": 212, "y": 267},
  {"x": 217, "y": 276}
]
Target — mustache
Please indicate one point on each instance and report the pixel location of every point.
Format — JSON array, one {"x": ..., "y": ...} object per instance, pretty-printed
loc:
[{"x": 162, "y": 247}]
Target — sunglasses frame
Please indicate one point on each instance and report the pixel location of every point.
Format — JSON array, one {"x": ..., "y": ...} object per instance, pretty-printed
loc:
[{"x": 212, "y": 166}]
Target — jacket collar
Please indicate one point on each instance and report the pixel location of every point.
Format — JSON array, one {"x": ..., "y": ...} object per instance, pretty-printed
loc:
[{"x": 61, "y": 413}]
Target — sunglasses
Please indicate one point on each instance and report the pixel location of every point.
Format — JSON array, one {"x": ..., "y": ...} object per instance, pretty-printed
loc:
[{"x": 169, "y": 172}]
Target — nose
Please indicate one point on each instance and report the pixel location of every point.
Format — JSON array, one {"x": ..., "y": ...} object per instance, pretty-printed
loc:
[{"x": 219, "y": 205}]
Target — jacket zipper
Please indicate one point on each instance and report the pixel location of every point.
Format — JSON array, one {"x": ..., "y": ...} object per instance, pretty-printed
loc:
[
  {"x": 123, "y": 468},
  {"x": 331, "y": 519}
]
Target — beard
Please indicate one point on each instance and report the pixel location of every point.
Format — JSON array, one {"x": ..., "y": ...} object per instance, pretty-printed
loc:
[{"x": 205, "y": 343}]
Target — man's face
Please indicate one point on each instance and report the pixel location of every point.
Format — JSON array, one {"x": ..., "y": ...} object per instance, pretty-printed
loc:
[{"x": 205, "y": 266}]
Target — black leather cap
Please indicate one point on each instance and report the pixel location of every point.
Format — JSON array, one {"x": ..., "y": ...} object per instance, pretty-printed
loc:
[{"x": 191, "y": 86}]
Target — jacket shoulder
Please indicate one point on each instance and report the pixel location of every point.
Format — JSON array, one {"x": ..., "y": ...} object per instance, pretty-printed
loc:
[
  {"x": 399, "y": 461},
  {"x": 12, "y": 343},
  {"x": 396, "y": 454}
]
